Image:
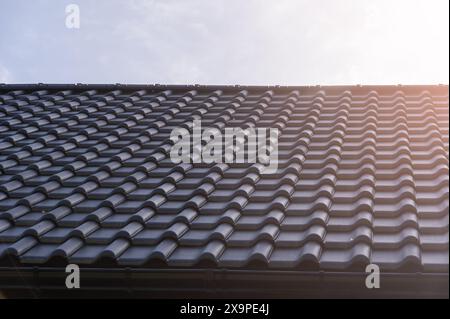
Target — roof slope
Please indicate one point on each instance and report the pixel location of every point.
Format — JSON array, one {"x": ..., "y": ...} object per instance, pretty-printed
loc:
[{"x": 85, "y": 176}]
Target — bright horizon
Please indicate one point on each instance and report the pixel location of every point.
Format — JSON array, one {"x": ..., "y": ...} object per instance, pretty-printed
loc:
[{"x": 226, "y": 42}]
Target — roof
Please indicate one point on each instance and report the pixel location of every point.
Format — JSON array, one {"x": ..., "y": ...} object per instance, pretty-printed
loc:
[{"x": 362, "y": 178}]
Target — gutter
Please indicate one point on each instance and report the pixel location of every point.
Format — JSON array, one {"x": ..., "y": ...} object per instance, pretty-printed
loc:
[{"x": 220, "y": 283}]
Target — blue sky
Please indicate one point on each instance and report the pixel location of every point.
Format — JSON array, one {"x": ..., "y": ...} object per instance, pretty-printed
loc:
[{"x": 226, "y": 42}]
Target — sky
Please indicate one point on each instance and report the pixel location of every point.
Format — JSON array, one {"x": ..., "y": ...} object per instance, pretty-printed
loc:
[{"x": 247, "y": 42}]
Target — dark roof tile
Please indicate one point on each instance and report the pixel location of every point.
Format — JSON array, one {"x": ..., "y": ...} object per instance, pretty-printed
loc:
[{"x": 362, "y": 178}]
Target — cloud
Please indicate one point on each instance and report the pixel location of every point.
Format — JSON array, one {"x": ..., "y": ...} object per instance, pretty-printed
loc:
[
  {"x": 5, "y": 75},
  {"x": 228, "y": 42}
]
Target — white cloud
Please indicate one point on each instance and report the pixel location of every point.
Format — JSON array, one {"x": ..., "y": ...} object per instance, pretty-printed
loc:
[{"x": 231, "y": 42}]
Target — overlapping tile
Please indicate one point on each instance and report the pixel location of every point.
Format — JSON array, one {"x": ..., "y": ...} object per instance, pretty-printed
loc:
[{"x": 85, "y": 175}]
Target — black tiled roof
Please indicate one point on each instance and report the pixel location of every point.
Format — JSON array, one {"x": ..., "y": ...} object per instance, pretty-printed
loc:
[{"x": 85, "y": 175}]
